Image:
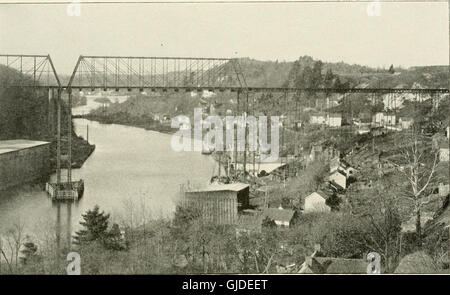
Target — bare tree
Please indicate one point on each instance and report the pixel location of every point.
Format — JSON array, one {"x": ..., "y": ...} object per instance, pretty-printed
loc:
[
  {"x": 14, "y": 239},
  {"x": 418, "y": 167}
]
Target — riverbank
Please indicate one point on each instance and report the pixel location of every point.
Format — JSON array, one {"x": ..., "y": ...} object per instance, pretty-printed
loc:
[
  {"x": 122, "y": 118},
  {"x": 81, "y": 151}
]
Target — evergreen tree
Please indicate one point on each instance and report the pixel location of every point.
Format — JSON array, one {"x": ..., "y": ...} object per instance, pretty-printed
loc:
[
  {"x": 337, "y": 83},
  {"x": 328, "y": 80},
  {"x": 391, "y": 69},
  {"x": 114, "y": 240},
  {"x": 95, "y": 226},
  {"x": 316, "y": 79}
]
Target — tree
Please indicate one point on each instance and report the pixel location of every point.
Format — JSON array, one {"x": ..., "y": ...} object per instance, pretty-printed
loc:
[
  {"x": 113, "y": 239},
  {"x": 316, "y": 79},
  {"x": 337, "y": 83},
  {"x": 391, "y": 69},
  {"x": 334, "y": 201},
  {"x": 95, "y": 227},
  {"x": 418, "y": 167},
  {"x": 328, "y": 80}
]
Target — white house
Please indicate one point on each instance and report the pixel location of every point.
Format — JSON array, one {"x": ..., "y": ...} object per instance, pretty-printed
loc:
[
  {"x": 334, "y": 120},
  {"x": 443, "y": 189},
  {"x": 316, "y": 202},
  {"x": 378, "y": 118},
  {"x": 317, "y": 118},
  {"x": 389, "y": 119},
  {"x": 406, "y": 122},
  {"x": 384, "y": 119},
  {"x": 443, "y": 151},
  {"x": 281, "y": 217},
  {"x": 339, "y": 178},
  {"x": 338, "y": 164}
]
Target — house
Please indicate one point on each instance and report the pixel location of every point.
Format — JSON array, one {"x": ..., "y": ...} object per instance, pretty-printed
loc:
[
  {"x": 345, "y": 167},
  {"x": 316, "y": 152},
  {"x": 340, "y": 164},
  {"x": 443, "y": 189},
  {"x": 383, "y": 119},
  {"x": 406, "y": 122},
  {"x": 389, "y": 119},
  {"x": 316, "y": 202},
  {"x": 338, "y": 179},
  {"x": 317, "y": 118},
  {"x": 443, "y": 151},
  {"x": 378, "y": 118},
  {"x": 281, "y": 217},
  {"x": 334, "y": 120},
  {"x": 317, "y": 264},
  {"x": 218, "y": 203}
]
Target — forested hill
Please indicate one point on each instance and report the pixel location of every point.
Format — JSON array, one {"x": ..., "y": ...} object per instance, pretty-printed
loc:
[
  {"x": 23, "y": 112},
  {"x": 308, "y": 72}
]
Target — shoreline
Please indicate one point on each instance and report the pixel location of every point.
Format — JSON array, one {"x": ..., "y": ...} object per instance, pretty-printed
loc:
[{"x": 165, "y": 129}]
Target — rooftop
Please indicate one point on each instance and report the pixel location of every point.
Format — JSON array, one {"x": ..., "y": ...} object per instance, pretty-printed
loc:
[
  {"x": 443, "y": 145},
  {"x": 7, "y": 146},
  {"x": 267, "y": 167},
  {"x": 279, "y": 214}
]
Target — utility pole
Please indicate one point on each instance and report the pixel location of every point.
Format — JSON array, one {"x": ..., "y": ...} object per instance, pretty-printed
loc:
[
  {"x": 236, "y": 138},
  {"x": 69, "y": 141},
  {"x": 58, "y": 141},
  {"x": 246, "y": 135}
]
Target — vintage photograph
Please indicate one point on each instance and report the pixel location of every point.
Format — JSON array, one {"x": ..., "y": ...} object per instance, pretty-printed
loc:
[{"x": 224, "y": 137}]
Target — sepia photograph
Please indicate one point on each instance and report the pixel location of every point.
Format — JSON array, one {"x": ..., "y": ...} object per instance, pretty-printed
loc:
[{"x": 224, "y": 137}]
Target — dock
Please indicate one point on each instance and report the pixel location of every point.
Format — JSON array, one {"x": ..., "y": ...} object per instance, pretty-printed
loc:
[{"x": 65, "y": 191}]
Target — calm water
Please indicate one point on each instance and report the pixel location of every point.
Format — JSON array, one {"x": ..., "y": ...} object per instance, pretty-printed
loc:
[{"x": 131, "y": 173}]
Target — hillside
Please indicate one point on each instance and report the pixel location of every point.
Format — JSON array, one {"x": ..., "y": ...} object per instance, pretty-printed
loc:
[{"x": 277, "y": 74}]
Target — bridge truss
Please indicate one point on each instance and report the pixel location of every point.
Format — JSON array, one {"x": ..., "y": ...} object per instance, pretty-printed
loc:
[
  {"x": 28, "y": 71},
  {"x": 156, "y": 73},
  {"x": 172, "y": 74}
]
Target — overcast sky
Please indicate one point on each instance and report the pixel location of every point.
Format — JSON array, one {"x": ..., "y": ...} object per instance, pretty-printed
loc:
[{"x": 405, "y": 34}]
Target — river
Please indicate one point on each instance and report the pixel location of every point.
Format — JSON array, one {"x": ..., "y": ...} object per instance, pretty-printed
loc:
[{"x": 133, "y": 172}]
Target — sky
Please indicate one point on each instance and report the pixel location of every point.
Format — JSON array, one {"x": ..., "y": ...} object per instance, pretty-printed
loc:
[{"x": 403, "y": 34}]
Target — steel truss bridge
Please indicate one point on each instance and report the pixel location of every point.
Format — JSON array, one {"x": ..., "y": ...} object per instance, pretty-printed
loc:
[{"x": 158, "y": 74}]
